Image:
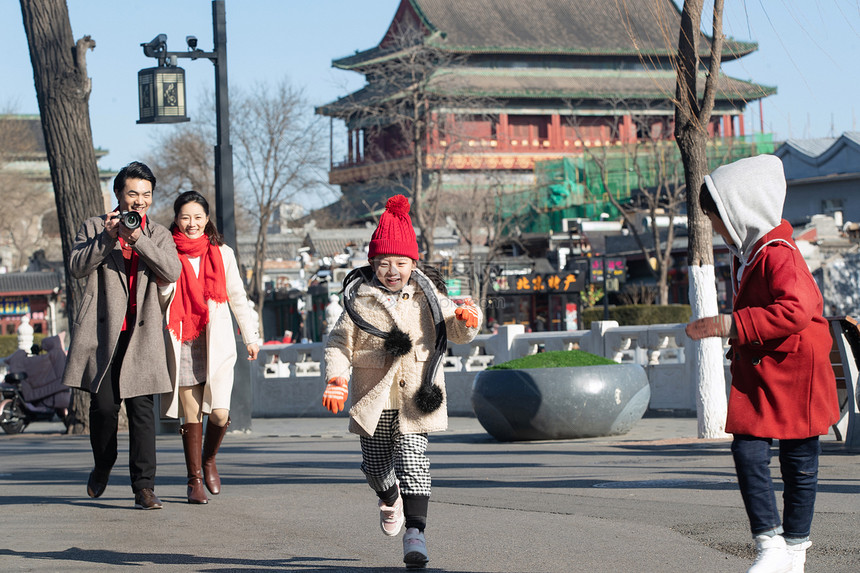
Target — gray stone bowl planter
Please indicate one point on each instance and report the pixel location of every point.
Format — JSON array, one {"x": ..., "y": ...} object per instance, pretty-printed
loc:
[{"x": 560, "y": 403}]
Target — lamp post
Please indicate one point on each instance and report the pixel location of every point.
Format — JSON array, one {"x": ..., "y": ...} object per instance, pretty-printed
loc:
[
  {"x": 161, "y": 93},
  {"x": 166, "y": 84}
]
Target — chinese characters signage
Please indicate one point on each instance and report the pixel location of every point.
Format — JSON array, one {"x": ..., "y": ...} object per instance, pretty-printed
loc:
[
  {"x": 14, "y": 305},
  {"x": 614, "y": 268},
  {"x": 539, "y": 283}
]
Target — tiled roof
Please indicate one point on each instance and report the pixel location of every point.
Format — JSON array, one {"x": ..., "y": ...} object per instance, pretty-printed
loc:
[
  {"x": 22, "y": 134},
  {"x": 285, "y": 247},
  {"x": 331, "y": 242},
  {"x": 812, "y": 147},
  {"x": 565, "y": 27},
  {"x": 566, "y": 84},
  {"x": 28, "y": 283}
]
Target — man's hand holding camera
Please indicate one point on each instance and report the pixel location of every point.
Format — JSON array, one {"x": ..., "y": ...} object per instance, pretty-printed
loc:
[{"x": 125, "y": 224}]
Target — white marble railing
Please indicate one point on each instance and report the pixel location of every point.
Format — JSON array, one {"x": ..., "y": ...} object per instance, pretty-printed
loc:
[{"x": 289, "y": 379}]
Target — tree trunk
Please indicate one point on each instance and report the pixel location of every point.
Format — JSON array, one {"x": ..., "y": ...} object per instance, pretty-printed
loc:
[
  {"x": 704, "y": 357},
  {"x": 63, "y": 90}
]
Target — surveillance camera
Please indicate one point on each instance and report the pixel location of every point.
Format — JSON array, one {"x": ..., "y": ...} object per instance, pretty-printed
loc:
[
  {"x": 191, "y": 41},
  {"x": 154, "y": 47}
]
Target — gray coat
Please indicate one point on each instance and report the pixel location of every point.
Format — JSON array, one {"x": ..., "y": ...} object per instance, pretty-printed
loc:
[{"x": 98, "y": 257}]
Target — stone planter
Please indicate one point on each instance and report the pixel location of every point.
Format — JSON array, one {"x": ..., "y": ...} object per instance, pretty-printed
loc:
[{"x": 560, "y": 403}]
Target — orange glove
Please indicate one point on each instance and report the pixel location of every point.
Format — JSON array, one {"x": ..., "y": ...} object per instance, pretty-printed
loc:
[
  {"x": 469, "y": 313},
  {"x": 334, "y": 397}
]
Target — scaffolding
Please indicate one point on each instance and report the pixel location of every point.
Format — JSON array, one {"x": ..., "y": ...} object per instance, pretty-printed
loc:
[{"x": 574, "y": 187}]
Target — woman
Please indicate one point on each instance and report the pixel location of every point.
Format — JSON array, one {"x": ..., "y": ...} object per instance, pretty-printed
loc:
[{"x": 202, "y": 351}]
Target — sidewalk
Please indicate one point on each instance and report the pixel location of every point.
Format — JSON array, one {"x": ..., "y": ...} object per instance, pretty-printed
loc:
[{"x": 654, "y": 500}]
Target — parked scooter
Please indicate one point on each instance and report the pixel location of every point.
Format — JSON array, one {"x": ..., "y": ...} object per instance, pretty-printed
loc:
[{"x": 33, "y": 388}]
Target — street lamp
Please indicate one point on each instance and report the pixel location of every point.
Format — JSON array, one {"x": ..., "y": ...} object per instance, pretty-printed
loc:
[
  {"x": 161, "y": 93},
  {"x": 170, "y": 75}
]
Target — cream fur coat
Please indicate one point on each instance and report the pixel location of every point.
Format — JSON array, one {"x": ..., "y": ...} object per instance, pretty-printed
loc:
[{"x": 374, "y": 370}]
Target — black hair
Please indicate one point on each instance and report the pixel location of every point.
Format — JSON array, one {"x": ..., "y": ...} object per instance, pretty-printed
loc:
[
  {"x": 211, "y": 231},
  {"x": 134, "y": 170},
  {"x": 706, "y": 201}
]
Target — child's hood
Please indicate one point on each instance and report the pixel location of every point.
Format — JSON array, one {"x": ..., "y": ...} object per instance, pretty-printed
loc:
[{"x": 749, "y": 194}]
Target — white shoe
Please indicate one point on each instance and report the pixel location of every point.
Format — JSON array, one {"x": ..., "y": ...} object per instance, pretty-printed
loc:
[
  {"x": 798, "y": 556},
  {"x": 772, "y": 555},
  {"x": 414, "y": 549},
  {"x": 391, "y": 517}
]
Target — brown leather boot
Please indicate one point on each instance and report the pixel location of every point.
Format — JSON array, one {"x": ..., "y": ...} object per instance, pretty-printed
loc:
[
  {"x": 214, "y": 435},
  {"x": 192, "y": 439}
]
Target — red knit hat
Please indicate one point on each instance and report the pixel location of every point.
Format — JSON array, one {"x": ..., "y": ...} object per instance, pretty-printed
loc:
[{"x": 394, "y": 235}]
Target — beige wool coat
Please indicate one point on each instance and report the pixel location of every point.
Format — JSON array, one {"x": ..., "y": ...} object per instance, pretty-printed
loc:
[
  {"x": 220, "y": 342},
  {"x": 374, "y": 370},
  {"x": 98, "y": 257}
]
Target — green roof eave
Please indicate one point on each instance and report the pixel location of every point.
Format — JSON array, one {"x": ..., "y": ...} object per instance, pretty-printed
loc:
[{"x": 731, "y": 50}]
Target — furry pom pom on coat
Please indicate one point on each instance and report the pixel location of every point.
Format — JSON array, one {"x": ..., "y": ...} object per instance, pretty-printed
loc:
[{"x": 375, "y": 369}]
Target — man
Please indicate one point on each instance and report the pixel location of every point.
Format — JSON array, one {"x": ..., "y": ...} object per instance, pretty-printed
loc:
[{"x": 117, "y": 351}]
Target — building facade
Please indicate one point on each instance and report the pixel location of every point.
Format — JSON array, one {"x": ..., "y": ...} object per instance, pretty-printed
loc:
[{"x": 504, "y": 86}]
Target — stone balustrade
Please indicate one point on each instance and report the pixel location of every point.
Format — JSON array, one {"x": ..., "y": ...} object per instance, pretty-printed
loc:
[{"x": 288, "y": 379}]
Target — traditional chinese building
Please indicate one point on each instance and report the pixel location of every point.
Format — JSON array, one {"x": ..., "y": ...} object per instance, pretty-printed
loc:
[{"x": 518, "y": 83}]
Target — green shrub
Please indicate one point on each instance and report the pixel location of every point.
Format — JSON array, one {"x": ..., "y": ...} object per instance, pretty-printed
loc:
[
  {"x": 9, "y": 343},
  {"x": 554, "y": 359},
  {"x": 639, "y": 314}
]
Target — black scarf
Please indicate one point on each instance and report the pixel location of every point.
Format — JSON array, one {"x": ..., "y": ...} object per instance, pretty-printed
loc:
[{"x": 397, "y": 343}]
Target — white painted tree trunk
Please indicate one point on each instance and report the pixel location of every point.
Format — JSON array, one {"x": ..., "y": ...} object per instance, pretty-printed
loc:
[{"x": 705, "y": 357}]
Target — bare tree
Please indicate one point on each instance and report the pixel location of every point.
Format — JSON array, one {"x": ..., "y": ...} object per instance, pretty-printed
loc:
[
  {"x": 183, "y": 160},
  {"x": 484, "y": 229},
  {"x": 63, "y": 91},
  {"x": 414, "y": 95},
  {"x": 656, "y": 187},
  {"x": 28, "y": 218},
  {"x": 691, "y": 119},
  {"x": 280, "y": 154}
]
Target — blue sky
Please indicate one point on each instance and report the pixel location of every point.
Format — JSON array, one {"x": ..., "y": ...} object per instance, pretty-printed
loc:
[{"x": 808, "y": 49}]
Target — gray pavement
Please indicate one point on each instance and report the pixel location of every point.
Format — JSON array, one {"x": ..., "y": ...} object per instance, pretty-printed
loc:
[{"x": 293, "y": 499}]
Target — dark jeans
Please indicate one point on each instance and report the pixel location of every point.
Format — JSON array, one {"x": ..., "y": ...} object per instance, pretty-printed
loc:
[
  {"x": 104, "y": 417},
  {"x": 798, "y": 461}
]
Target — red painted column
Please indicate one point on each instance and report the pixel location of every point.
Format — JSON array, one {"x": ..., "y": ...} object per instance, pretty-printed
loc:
[
  {"x": 555, "y": 135},
  {"x": 727, "y": 125},
  {"x": 741, "y": 128},
  {"x": 503, "y": 134},
  {"x": 629, "y": 131}
]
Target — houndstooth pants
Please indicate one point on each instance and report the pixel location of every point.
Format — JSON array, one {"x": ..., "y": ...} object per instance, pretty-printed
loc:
[{"x": 390, "y": 454}]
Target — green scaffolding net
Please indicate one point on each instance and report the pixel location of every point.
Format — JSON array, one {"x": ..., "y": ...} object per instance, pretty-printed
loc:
[{"x": 578, "y": 186}]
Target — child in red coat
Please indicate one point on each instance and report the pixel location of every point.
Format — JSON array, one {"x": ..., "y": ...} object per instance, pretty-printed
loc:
[{"x": 782, "y": 382}]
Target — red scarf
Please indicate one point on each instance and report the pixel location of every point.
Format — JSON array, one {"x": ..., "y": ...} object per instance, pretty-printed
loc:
[
  {"x": 189, "y": 312},
  {"x": 131, "y": 259}
]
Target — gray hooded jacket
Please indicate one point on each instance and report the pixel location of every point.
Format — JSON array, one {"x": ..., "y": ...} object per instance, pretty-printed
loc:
[{"x": 749, "y": 194}]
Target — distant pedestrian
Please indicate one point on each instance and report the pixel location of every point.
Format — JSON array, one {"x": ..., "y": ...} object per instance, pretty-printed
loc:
[
  {"x": 117, "y": 348},
  {"x": 333, "y": 310},
  {"x": 782, "y": 383},
  {"x": 392, "y": 336},
  {"x": 201, "y": 351}
]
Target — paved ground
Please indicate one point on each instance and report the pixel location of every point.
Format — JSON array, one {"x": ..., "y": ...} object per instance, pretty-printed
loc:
[{"x": 654, "y": 500}]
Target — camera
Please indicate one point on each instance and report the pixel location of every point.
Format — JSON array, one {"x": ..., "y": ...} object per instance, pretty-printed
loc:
[
  {"x": 191, "y": 41},
  {"x": 131, "y": 219}
]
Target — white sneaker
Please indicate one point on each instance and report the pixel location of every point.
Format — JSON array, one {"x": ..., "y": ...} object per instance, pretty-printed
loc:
[
  {"x": 772, "y": 555},
  {"x": 798, "y": 556},
  {"x": 414, "y": 549},
  {"x": 391, "y": 517}
]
